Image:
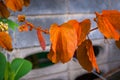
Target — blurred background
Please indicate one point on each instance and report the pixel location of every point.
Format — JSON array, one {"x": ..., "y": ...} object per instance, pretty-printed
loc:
[{"x": 44, "y": 13}]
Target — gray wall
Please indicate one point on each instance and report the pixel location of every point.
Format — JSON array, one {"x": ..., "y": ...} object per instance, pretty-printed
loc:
[{"x": 45, "y": 12}]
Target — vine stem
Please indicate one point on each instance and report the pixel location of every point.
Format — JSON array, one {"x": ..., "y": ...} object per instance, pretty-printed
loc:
[
  {"x": 94, "y": 29},
  {"x": 91, "y": 31},
  {"x": 45, "y": 30},
  {"x": 34, "y": 27}
]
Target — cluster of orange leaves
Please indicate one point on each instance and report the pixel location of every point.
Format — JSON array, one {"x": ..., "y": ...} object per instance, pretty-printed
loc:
[
  {"x": 14, "y": 5},
  {"x": 72, "y": 37}
]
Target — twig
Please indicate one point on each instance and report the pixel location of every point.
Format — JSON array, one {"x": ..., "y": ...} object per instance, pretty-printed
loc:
[
  {"x": 34, "y": 27},
  {"x": 93, "y": 29},
  {"x": 45, "y": 31}
]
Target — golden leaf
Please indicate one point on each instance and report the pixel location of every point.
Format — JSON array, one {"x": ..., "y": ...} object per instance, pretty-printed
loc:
[
  {"x": 4, "y": 13},
  {"x": 64, "y": 41},
  {"x": 5, "y": 41},
  {"x": 86, "y": 57},
  {"x": 106, "y": 28},
  {"x": 3, "y": 27}
]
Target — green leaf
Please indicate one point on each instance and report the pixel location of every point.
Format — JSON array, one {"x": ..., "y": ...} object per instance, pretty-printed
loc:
[
  {"x": 9, "y": 74},
  {"x": 6, "y": 75},
  {"x": 2, "y": 65},
  {"x": 10, "y": 23},
  {"x": 20, "y": 67}
]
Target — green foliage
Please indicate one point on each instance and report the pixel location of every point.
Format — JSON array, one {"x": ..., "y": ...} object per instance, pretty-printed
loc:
[
  {"x": 8, "y": 72},
  {"x": 20, "y": 67},
  {"x": 10, "y": 23},
  {"x": 6, "y": 75},
  {"x": 14, "y": 70},
  {"x": 2, "y": 65}
]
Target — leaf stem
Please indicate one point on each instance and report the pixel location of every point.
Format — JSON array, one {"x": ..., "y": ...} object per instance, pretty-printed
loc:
[
  {"x": 94, "y": 29},
  {"x": 45, "y": 31}
]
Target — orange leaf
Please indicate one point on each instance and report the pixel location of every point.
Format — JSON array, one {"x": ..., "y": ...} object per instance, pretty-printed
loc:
[
  {"x": 118, "y": 43},
  {"x": 86, "y": 57},
  {"x": 21, "y": 18},
  {"x": 5, "y": 41},
  {"x": 23, "y": 27},
  {"x": 64, "y": 41},
  {"x": 106, "y": 28},
  {"x": 114, "y": 17},
  {"x": 41, "y": 38},
  {"x": 4, "y": 13},
  {"x": 92, "y": 56},
  {"x": 15, "y": 5},
  {"x": 81, "y": 28},
  {"x": 54, "y": 30},
  {"x": 53, "y": 56},
  {"x": 83, "y": 57},
  {"x": 85, "y": 28},
  {"x": 30, "y": 25},
  {"x": 77, "y": 27},
  {"x": 26, "y": 2}
]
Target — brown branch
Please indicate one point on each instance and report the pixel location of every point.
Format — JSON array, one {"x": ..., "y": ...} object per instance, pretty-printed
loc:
[
  {"x": 45, "y": 31},
  {"x": 34, "y": 27},
  {"x": 94, "y": 29},
  {"x": 30, "y": 25}
]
